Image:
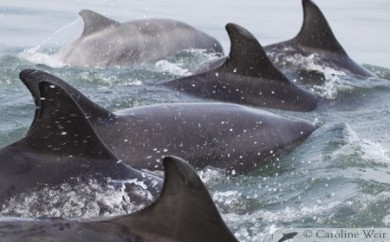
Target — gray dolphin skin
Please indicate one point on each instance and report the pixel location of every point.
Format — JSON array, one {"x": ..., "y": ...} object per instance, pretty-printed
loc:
[
  {"x": 106, "y": 42},
  {"x": 316, "y": 37},
  {"x": 228, "y": 136},
  {"x": 183, "y": 212},
  {"x": 60, "y": 147},
  {"x": 246, "y": 76}
]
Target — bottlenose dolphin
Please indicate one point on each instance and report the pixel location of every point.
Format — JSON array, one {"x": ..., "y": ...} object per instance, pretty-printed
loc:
[
  {"x": 246, "y": 76},
  {"x": 106, "y": 42},
  {"x": 316, "y": 37},
  {"x": 60, "y": 147},
  {"x": 228, "y": 136},
  {"x": 183, "y": 212}
]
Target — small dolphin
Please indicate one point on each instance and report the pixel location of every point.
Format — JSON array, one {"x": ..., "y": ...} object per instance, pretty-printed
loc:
[
  {"x": 316, "y": 37},
  {"x": 247, "y": 76},
  {"x": 106, "y": 42},
  {"x": 59, "y": 147},
  {"x": 288, "y": 236},
  {"x": 183, "y": 212},
  {"x": 227, "y": 136}
]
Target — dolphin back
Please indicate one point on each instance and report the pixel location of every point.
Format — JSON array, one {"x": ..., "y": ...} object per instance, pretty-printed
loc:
[
  {"x": 106, "y": 42},
  {"x": 183, "y": 212},
  {"x": 316, "y": 37},
  {"x": 246, "y": 76}
]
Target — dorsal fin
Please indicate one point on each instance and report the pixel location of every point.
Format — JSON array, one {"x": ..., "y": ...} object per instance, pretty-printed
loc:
[
  {"x": 32, "y": 79},
  {"x": 61, "y": 127},
  {"x": 247, "y": 57},
  {"x": 315, "y": 31},
  {"x": 94, "y": 22},
  {"x": 183, "y": 212},
  {"x": 62, "y": 140}
]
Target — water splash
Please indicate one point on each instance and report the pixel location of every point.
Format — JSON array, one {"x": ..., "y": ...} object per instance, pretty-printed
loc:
[
  {"x": 43, "y": 53},
  {"x": 171, "y": 68},
  {"x": 184, "y": 62},
  {"x": 87, "y": 200}
]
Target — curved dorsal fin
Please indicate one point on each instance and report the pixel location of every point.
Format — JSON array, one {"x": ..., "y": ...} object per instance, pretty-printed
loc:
[
  {"x": 61, "y": 128},
  {"x": 183, "y": 198},
  {"x": 247, "y": 57},
  {"x": 32, "y": 79},
  {"x": 94, "y": 22},
  {"x": 315, "y": 31}
]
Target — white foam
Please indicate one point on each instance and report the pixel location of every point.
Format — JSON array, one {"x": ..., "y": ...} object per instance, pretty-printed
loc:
[
  {"x": 171, "y": 68},
  {"x": 66, "y": 200},
  {"x": 35, "y": 55},
  {"x": 328, "y": 90},
  {"x": 309, "y": 63},
  {"x": 182, "y": 63},
  {"x": 334, "y": 79},
  {"x": 228, "y": 198},
  {"x": 107, "y": 80},
  {"x": 211, "y": 175}
]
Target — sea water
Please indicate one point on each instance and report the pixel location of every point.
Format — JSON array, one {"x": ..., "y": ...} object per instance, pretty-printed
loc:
[{"x": 338, "y": 177}]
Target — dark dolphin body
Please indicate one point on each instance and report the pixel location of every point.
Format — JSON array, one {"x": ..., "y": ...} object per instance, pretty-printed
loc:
[
  {"x": 247, "y": 76},
  {"x": 106, "y": 42},
  {"x": 60, "y": 147},
  {"x": 183, "y": 212},
  {"x": 288, "y": 236},
  {"x": 316, "y": 37},
  {"x": 227, "y": 136}
]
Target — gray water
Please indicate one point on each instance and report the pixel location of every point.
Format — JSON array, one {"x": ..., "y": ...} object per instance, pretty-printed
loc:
[{"x": 338, "y": 177}]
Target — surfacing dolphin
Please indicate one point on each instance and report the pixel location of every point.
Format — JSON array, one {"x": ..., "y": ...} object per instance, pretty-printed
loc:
[
  {"x": 316, "y": 37},
  {"x": 61, "y": 147},
  {"x": 106, "y": 42},
  {"x": 228, "y": 136},
  {"x": 183, "y": 212},
  {"x": 246, "y": 76}
]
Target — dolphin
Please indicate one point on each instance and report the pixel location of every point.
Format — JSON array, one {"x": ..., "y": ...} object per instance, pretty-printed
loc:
[
  {"x": 106, "y": 42},
  {"x": 246, "y": 76},
  {"x": 183, "y": 212},
  {"x": 227, "y": 136},
  {"x": 60, "y": 147},
  {"x": 316, "y": 38},
  {"x": 287, "y": 236}
]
